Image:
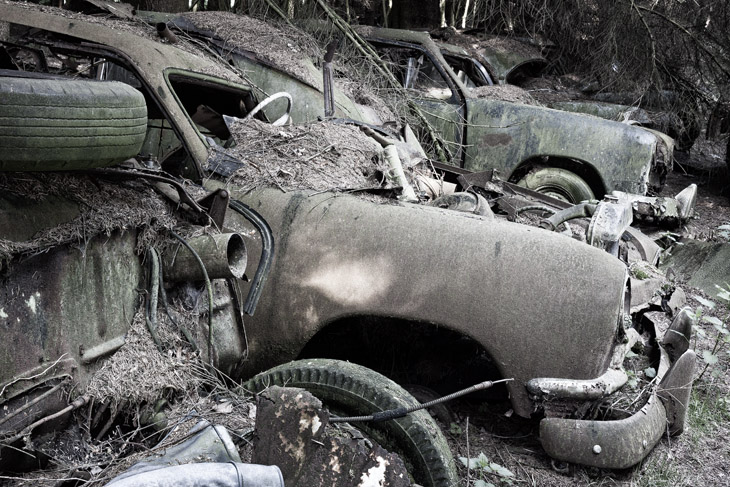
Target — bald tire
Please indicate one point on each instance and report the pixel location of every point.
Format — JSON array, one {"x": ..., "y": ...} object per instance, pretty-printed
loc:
[
  {"x": 558, "y": 183},
  {"x": 56, "y": 124},
  {"x": 354, "y": 390}
]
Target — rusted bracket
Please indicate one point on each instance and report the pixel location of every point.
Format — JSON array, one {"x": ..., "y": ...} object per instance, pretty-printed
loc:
[{"x": 216, "y": 203}]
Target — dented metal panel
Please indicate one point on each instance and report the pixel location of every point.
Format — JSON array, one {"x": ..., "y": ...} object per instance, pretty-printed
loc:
[
  {"x": 605, "y": 444},
  {"x": 85, "y": 298}
]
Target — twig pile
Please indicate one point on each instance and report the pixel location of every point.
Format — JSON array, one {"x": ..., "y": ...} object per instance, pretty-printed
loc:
[
  {"x": 282, "y": 45},
  {"x": 508, "y": 93},
  {"x": 321, "y": 156},
  {"x": 103, "y": 208}
]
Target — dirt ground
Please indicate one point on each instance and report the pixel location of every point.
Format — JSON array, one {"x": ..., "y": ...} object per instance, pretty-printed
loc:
[{"x": 697, "y": 457}]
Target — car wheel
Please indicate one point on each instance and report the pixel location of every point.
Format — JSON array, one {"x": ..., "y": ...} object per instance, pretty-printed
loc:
[
  {"x": 558, "y": 183},
  {"x": 51, "y": 124},
  {"x": 354, "y": 390}
]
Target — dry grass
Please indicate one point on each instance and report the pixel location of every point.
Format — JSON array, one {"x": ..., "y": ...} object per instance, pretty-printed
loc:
[
  {"x": 322, "y": 156},
  {"x": 144, "y": 400},
  {"x": 104, "y": 207}
]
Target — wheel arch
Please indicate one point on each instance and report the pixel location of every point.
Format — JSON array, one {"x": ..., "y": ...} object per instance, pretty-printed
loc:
[{"x": 408, "y": 352}]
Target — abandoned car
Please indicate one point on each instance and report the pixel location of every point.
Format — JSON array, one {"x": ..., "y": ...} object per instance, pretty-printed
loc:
[
  {"x": 520, "y": 62},
  {"x": 137, "y": 215},
  {"x": 567, "y": 155}
]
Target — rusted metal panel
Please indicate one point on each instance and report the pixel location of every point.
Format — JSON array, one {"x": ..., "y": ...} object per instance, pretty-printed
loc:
[
  {"x": 502, "y": 134},
  {"x": 360, "y": 272},
  {"x": 82, "y": 299}
]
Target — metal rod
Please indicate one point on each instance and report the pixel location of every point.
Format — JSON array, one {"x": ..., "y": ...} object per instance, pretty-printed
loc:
[{"x": 400, "y": 412}]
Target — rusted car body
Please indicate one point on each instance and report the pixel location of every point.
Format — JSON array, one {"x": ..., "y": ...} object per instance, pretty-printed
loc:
[
  {"x": 516, "y": 138},
  {"x": 512, "y": 61},
  {"x": 346, "y": 275}
]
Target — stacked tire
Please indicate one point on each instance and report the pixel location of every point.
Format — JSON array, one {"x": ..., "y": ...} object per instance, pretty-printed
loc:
[{"x": 56, "y": 124}]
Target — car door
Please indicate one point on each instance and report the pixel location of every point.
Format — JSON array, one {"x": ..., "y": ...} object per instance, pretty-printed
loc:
[{"x": 432, "y": 89}]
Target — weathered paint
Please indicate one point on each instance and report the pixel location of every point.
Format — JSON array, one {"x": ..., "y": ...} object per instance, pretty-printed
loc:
[
  {"x": 68, "y": 300},
  {"x": 622, "y": 154},
  {"x": 504, "y": 135},
  {"x": 504, "y": 316},
  {"x": 609, "y": 111}
]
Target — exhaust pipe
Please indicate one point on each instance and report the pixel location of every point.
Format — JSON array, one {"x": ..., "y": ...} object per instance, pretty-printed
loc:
[{"x": 224, "y": 255}]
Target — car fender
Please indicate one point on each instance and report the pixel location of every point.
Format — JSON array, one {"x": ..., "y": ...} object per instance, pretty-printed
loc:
[
  {"x": 502, "y": 135},
  {"x": 339, "y": 256}
]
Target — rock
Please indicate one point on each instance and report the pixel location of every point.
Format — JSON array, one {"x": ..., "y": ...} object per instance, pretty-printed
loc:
[
  {"x": 293, "y": 432},
  {"x": 348, "y": 460},
  {"x": 289, "y": 422}
]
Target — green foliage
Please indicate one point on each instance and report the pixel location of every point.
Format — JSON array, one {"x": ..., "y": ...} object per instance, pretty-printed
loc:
[
  {"x": 660, "y": 470},
  {"x": 640, "y": 274},
  {"x": 722, "y": 334},
  {"x": 485, "y": 469},
  {"x": 708, "y": 410},
  {"x": 633, "y": 381}
]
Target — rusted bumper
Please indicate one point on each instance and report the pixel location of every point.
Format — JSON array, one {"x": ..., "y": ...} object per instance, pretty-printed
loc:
[
  {"x": 625, "y": 442},
  {"x": 605, "y": 444}
]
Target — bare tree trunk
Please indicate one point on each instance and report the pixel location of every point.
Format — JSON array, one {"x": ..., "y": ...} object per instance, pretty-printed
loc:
[{"x": 464, "y": 14}]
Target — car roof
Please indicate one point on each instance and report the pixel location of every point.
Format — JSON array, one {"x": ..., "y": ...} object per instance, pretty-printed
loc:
[{"x": 136, "y": 41}]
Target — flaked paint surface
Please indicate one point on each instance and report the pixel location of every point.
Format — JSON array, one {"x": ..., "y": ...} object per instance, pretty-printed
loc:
[
  {"x": 33, "y": 301},
  {"x": 375, "y": 476}
]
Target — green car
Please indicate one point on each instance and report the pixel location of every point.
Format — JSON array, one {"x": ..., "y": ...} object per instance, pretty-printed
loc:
[{"x": 567, "y": 155}]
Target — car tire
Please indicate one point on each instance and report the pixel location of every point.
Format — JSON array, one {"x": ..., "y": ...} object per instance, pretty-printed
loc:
[
  {"x": 354, "y": 390},
  {"x": 52, "y": 124},
  {"x": 558, "y": 183}
]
